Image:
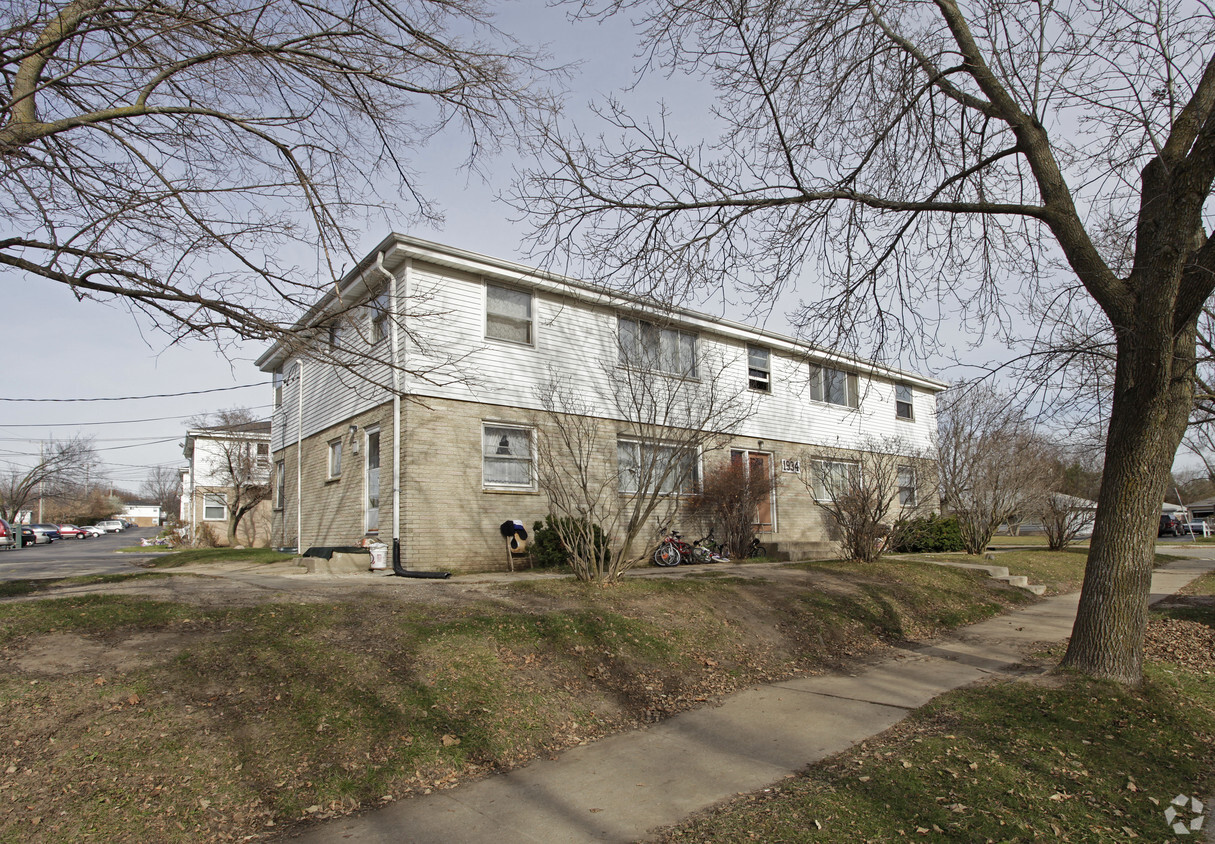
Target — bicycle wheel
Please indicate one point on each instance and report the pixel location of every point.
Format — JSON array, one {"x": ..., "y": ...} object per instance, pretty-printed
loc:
[
  {"x": 701, "y": 554},
  {"x": 757, "y": 551},
  {"x": 666, "y": 555}
]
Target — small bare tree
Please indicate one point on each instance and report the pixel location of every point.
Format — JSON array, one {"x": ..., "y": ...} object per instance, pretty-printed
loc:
[
  {"x": 237, "y": 464},
  {"x": 729, "y": 498},
  {"x": 870, "y": 492},
  {"x": 1064, "y": 518},
  {"x": 163, "y": 486},
  {"x": 991, "y": 464},
  {"x": 664, "y": 408},
  {"x": 60, "y": 465}
]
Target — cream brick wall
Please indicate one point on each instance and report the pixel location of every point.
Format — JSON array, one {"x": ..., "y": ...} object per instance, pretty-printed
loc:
[{"x": 449, "y": 520}]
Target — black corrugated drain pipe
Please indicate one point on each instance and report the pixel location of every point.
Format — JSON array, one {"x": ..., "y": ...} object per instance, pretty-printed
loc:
[{"x": 400, "y": 571}]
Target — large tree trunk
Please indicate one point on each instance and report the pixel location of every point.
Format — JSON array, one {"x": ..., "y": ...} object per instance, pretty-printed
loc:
[{"x": 1153, "y": 394}]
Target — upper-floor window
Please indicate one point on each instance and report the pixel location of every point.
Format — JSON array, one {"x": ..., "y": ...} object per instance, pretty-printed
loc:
[
  {"x": 647, "y": 346},
  {"x": 335, "y": 458},
  {"x": 643, "y": 466},
  {"x": 276, "y": 378},
  {"x": 379, "y": 317},
  {"x": 335, "y": 334},
  {"x": 903, "y": 407},
  {"x": 508, "y": 314},
  {"x": 759, "y": 369},
  {"x": 506, "y": 456},
  {"x": 833, "y": 386}
]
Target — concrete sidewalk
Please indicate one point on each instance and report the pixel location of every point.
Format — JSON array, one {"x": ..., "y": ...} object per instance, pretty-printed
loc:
[{"x": 619, "y": 788}]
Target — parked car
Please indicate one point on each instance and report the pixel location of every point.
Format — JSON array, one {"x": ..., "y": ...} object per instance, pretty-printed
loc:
[
  {"x": 51, "y": 532},
  {"x": 71, "y": 532},
  {"x": 110, "y": 525},
  {"x": 1195, "y": 528},
  {"x": 1169, "y": 526},
  {"x": 93, "y": 530},
  {"x": 28, "y": 537},
  {"x": 6, "y": 535}
]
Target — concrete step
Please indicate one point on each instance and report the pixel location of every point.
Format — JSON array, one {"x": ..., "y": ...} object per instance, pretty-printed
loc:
[
  {"x": 995, "y": 572},
  {"x": 793, "y": 551}
]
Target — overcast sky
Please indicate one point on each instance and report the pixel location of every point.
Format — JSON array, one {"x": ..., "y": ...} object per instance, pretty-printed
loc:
[{"x": 59, "y": 351}]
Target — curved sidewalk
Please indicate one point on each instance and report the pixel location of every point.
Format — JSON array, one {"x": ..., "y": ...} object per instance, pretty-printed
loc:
[{"x": 620, "y": 787}]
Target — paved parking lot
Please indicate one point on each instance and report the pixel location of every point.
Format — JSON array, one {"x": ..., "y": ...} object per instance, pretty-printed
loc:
[{"x": 69, "y": 557}]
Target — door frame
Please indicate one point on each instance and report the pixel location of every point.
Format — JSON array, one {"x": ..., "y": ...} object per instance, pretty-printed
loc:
[{"x": 770, "y": 457}]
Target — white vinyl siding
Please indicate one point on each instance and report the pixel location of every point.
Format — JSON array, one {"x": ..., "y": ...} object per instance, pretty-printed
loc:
[
  {"x": 834, "y": 386},
  {"x": 675, "y": 470},
  {"x": 644, "y": 345},
  {"x": 508, "y": 314},
  {"x": 506, "y": 456}
]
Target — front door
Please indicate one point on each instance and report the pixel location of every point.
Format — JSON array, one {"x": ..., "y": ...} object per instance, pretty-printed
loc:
[
  {"x": 372, "y": 483},
  {"x": 759, "y": 465}
]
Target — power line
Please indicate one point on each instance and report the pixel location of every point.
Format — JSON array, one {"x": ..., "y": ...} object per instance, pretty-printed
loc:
[
  {"x": 112, "y": 422},
  {"x": 154, "y": 396}
]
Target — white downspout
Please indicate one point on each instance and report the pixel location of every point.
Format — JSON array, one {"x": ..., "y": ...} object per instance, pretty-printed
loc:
[
  {"x": 299, "y": 462},
  {"x": 396, "y": 407}
]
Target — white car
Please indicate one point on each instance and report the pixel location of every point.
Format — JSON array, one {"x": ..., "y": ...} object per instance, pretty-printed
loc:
[
  {"x": 110, "y": 526},
  {"x": 94, "y": 530}
]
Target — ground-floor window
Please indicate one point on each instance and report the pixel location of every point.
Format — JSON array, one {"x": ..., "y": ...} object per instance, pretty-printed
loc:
[
  {"x": 675, "y": 470},
  {"x": 907, "y": 486},
  {"x": 832, "y": 477},
  {"x": 215, "y": 507},
  {"x": 507, "y": 456}
]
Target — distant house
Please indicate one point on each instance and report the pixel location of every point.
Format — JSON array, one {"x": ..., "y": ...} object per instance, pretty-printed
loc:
[
  {"x": 228, "y": 464},
  {"x": 144, "y": 515},
  {"x": 460, "y": 456}
]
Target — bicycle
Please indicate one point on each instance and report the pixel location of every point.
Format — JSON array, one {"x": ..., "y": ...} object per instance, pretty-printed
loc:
[
  {"x": 672, "y": 550},
  {"x": 707, "y": 550},
  {"x": 756, "y": 550}
]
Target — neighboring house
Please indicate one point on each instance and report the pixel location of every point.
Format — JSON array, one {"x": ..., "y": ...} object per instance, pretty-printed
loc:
[
  {"x": 226, "y": 463},
  {"x": 1085, "y": 509},
  {"x": 483, "y": 334},
  {"x": 1202, "y": 509},
  {"x": 144, "y": 515}
]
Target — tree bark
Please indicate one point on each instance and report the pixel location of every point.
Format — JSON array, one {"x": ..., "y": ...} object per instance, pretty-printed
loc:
[{"x": 1153, "y": 392}]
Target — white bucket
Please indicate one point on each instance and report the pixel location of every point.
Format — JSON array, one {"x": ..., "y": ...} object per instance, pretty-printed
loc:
[{"x": 379, "y": 556}]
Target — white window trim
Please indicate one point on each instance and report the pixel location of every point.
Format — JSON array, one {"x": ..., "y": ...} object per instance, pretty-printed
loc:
[
  {"x": 379, "y": 312},
  {"x": 914, "y": 487},
  {"x": 335, "y": 449},
  {"x": 276, "y": 382},
  {"x": 767, "y": 374},
  {"x": 818, "y": 470},
  {"x": 623, "y": 355},
  {"x": 850, "y": 379},
  {"x": 280, "y": 482},
  {"x": 910, "y": 417},
  {"x": 223, "y": 517},
  {"x": 697, "y": 467},
  {"x": 530, "y": 486},
  {"x": 531, "y": 309}
]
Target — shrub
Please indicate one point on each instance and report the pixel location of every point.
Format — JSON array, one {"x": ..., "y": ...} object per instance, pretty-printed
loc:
[
  {"x": 565, "y": 541},
  {"x": 728, "y": 500},
  {"x": 928, "y": 534}
]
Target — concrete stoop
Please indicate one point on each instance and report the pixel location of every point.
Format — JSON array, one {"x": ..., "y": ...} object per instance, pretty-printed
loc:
[
  {"x": 996, "y": 573},
  {"x": 338, "y": 563}
]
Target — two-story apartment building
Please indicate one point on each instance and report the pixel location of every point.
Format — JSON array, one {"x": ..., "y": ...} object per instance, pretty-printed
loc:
[
  {"x": 442, "y": 452},
  {"x": 227, "y": 473}
]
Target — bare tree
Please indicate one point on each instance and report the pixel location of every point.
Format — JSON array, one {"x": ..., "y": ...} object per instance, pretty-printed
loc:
[
  {"x": 161, "y": 155},
  {"x": 666, "y": 406},
  {"x": 990, "y": 462},
  {"x": 729, "y": 499},
  {"x": 163, "y": 486},
  {"x": 60, "y": 465},
  {"x": 236, "y": 463},
  {"x": 1064, "y": 519},
  {"x": 870, "y": 492},
  {"x": 927, "y": 159}
]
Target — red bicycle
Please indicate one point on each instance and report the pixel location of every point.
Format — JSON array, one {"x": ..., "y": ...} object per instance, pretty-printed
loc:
[{"x": 672, "y": 550}]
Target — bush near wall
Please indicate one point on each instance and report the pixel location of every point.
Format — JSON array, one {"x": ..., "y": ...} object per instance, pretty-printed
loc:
[{"x": 928, "y": 534}]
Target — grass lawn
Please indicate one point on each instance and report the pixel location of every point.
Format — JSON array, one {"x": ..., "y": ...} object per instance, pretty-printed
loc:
[
  {"x": 196, "y": 556},
  {"x": 127, "y": 719},
  {"x": 1056, "y": 757},
  {"x": 1000, "y": 540}
]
